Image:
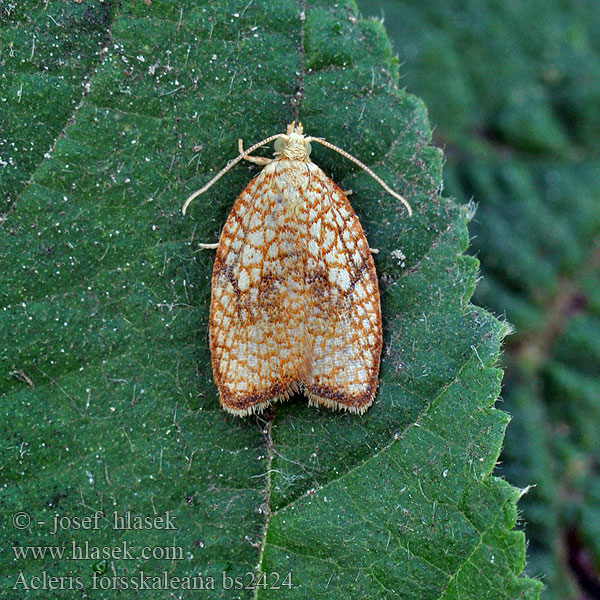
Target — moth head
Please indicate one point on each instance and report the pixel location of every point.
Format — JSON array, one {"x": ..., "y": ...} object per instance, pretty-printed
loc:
[{"x": 293, "y": 143}]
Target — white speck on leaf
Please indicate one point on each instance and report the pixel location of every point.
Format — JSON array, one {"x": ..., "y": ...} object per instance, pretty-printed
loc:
[{"x": 399, "y": 256}]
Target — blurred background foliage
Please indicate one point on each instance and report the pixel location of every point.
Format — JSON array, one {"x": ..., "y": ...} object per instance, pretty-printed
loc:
[{"x": 513, "y": 90}]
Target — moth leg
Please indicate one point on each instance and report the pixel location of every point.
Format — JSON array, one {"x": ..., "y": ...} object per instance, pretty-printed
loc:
[
  {"x": 374, "y": 250},
  {"x": 258, "y": 160},
  {"x": 348, "y": 192},
  {"x": 208, "y": 246}
]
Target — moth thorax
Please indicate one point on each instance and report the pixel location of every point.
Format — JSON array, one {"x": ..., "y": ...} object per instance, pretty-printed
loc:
[{"x": 292, "y": 146}]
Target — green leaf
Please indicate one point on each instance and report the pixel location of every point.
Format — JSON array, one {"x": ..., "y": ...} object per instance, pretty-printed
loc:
[
  {"x": 516, "y": 106},
  {"x": 107, "y": 387},
  {"x": 48, "y": 51}
]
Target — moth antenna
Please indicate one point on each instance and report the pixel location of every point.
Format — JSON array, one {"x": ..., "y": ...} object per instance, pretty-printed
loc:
[
  {"x": 229, "y": 165},
  {"x": 364, "y": 167}
]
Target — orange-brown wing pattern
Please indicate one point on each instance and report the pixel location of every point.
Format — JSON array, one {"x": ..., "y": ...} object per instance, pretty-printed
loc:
[
  {"x": 344, "y": 316},
  {"x": 295, "y": 303},
  {"x": 258, "y": 313}
]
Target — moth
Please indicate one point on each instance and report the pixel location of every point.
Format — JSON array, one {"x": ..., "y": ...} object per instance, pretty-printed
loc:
[{"x": 295, "y": 302}]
